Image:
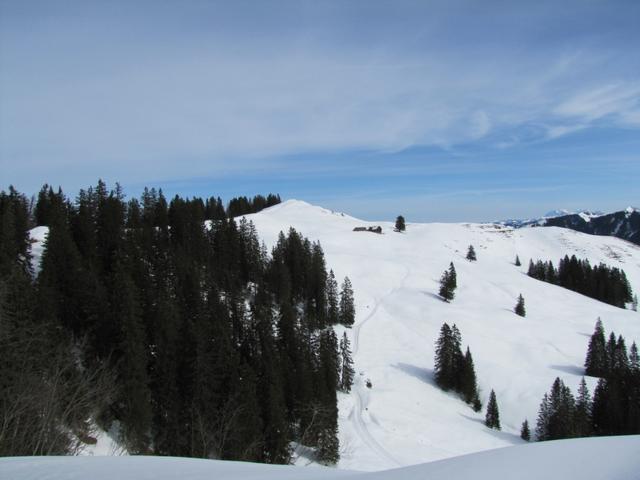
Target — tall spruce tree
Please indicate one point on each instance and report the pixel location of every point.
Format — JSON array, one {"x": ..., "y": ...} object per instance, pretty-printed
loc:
[
  {"x": 448, "y": 283},
  {"x": 610, "y": 348},
  {"x": 471, "y": 254},
  {"x": 132, "y": 362},
  {"x": 620, "y": 359},
  {"x": 346, "y": 365},
  {"x": 333, "y": 307},
  {"x": 596, "y": 363},
  {"x": 327, "y": 450},
  {"x": 634, "y": 359},
  {"x": 468, "y": 383},
  {"x": 492, "y": 419},
  {"x": 519, "y": 308},
  {"x": 542, "y": 422},
  {"x": 517, "y": 262},
  {"x": 525, "y": 433},
  {"x": 562, "y": 411},
  {"x": 583, "y": 411},
  {"x": 446, "y": 359},
  {"x": 347, "y": 309}
]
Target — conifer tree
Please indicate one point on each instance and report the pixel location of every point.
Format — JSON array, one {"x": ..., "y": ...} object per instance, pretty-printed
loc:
[
  {"x": 400, "y": 225},
  {"x": 634, "y": 303},
  {"x": 492, "y": 419},
  {"x": 333, "y": 307},
  {"x": 14, "y": 235},
  {"x": 610, "y": 348},
  {"x": 347, "y": 311},
  {"x": 519, "y": 308},
  {"x": 542, "y": 423},
  {"x": 596, "y": 363},
  {"x": 602, "y": 408},
  {"x": 469, "y": 386},
  {"x": 532, "y": 271},
  {"x": 634, "y": 359},
  {"x": 620, "y": 360},
  {"x": 583, "y": 412},
  {"x": 328, "y": 452},
  {"x": 561, "y": 412},
  {"x": 517, "y": 263},
  {"x": 471, "y": 254},
  {"x": 132, "y": 364},
  {"x": 448, "y": 283},
  {"x": 346, "y": 363},
  {"x": 445, "y": 359},
  {"x": 525, "y": 433},
  {"x": 328, "y": 381}
]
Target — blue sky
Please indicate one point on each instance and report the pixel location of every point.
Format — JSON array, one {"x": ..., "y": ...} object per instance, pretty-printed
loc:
[{"x": 441, "y": 111}]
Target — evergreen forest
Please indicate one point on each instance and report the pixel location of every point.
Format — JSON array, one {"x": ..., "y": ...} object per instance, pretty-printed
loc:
[
  {"x": 169, "y": 322},
  {"x": 604, "y": 283},
  {"x": 614, "y": 408}
]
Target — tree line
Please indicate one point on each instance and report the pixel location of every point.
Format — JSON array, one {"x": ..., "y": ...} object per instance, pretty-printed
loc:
[
  {"x": 604, "y": 283},
  {"x": 49, "y": 201},
  {"x": 187, "y": 334}
]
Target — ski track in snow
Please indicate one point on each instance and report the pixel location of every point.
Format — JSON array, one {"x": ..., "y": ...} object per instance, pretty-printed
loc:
[
  {"x": 359, "y": 424},
  {"x": 356, "y": 328}
]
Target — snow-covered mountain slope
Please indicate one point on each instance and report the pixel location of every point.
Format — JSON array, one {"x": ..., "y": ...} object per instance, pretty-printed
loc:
[
  {"x": 612, "y": 458},
  {"x": 404, "y": 418},
  {"x": 586, "y": 215},
  {"x": 623, "y": 224}
]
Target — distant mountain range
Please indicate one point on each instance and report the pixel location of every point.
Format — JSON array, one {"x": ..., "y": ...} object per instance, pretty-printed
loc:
[
  {"x": 624, "y": 224},
  {"x": 540, "y": 221}
]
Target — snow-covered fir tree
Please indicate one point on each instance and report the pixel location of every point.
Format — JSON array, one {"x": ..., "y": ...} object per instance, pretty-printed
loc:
[
  {"x": 471, "y": 254},
  {"x": 519, "y": 308},
  {"x": 492, "y": 418},
  {"x": 346, "y": 365},
  {"x": 448, "y": 283},
  {"x": 347, "y": 309}
]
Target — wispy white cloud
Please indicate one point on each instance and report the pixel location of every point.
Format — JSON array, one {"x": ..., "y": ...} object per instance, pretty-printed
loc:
[
  {"x": 618, "y": 100},
  {"x": 216, "y": 88},
  {"x": 557, "y": 131}
]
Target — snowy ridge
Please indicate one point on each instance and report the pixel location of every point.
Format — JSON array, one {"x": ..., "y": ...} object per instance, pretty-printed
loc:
[
  {"x": 612, "y": 458},
  {"x": 405, "y": 419},
  {"x": 586, "y": 215}
]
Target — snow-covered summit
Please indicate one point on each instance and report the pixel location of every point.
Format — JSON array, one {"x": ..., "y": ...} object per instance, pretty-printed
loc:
[
  {"x": 293, "y": 208},
  {"x": 557, "y": 213},
  {"x": 586, "y": 215}
]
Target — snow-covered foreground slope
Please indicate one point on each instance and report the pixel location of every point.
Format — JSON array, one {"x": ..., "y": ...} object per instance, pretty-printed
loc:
[
  {"x": 404, "y": 419},
  {"x": 613, "y": 458}
]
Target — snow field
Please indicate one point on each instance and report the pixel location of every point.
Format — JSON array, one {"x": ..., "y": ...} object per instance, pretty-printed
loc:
[
  {"x": 405, "y": 419},
  {"x": 604, "y": 458}
]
